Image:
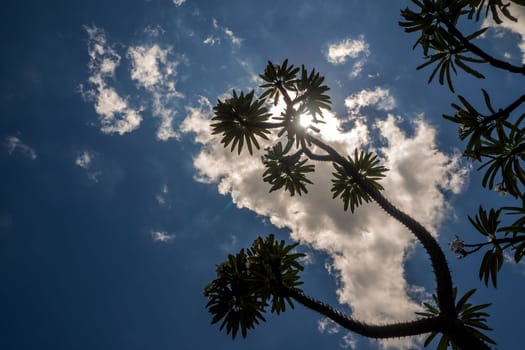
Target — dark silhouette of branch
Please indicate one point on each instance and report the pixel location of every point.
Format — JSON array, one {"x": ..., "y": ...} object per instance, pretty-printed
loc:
[
  {"x": 478, "y": 51},
  {"x": 403, "y": 329},
  {"x": 504, "y": 113},
  {"x": 437, "y": 257},
  {"x": 477, "y": 246}
]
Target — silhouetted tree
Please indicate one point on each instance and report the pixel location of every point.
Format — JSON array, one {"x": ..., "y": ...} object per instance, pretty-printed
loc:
[{"x": 265, "y": 277}]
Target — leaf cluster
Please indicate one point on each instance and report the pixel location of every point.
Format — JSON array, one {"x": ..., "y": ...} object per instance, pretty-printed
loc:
[
  {"x": 488, "y": 225},
  {"x": 442, "y": 47},
  {"x": 248, "y": 282},
  {"x": 306, "y": 88},
  {"x": 344, "y": 186},
  {"x": 286, "y": 170},
  {"x": 239, "y": 120},
  {"x": 471, "y": 315}
]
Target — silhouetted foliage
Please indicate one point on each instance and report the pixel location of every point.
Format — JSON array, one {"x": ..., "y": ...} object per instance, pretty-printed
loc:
[{"x": 268, "y": 273}]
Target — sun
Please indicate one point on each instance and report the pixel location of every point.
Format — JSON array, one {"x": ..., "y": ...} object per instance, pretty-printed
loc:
[
  {"x": 329, "y": 128},
  {"x": 306, "y": 120}
]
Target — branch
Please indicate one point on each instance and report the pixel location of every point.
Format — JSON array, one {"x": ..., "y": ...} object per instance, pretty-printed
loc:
[
  {"x": 437, "y": 257},
  {"x": 475, "y": 49},
  {"x": 313, "y": 156},
  {"x": 478, "y": 246},
  {"x": 505, "y": 113},
  {"x": 405, "y": 329}
]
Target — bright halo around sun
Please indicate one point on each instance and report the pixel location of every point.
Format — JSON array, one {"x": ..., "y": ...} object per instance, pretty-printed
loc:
[
  {"x": 306, "y": 120},
  {"x": 329, "y": 128}
]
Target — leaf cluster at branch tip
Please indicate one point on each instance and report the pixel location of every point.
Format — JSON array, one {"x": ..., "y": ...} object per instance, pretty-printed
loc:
[{"x": 248, "y": 282}]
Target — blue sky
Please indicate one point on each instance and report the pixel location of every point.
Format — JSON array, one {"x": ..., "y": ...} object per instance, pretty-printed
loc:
[{"x": 116, "y": 202}]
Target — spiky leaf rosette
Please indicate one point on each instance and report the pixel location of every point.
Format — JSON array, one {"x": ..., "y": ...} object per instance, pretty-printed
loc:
[
  {"x": 231, "y": 297},
  {"x": 344, "y": 186},
  {"x": 278, "y": 76},
  {"x": 248, "y": 282},
  {"x": 312, "y": 93},
  {"x": 472, "y": 316},
  {"x": 239, "y": 120},
  {"x": 273, "y": 264},
  {"x": 286, "y": 170}
]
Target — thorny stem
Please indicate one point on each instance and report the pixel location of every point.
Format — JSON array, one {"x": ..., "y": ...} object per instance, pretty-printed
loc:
[{"x": 403, "y": 329}]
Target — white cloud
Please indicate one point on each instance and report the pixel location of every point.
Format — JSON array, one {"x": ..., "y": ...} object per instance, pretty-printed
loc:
[
  {"x": 328, "y": 326},
  {"x": 349, "y": 341},
  {"x": 150, "y": 65},
  {"x": 116, "y": 116},
  {"x": 161, "y": 197},
  {"x": 235, "y": 40},
  {"x": 230, "y": 35},
  {"x": 508, "y": 25},
  {"x": 162, "y": 236},
  {"x": 368, "y": 249},
  {"x": 340, "y": 52},
  {"x": 14, "y": 144},
  {"x": 211, "y": 40},
  {"x": 152, "y": 70},
  {"x": 178, "y": 2},
  {"x": 379, "y": 98},
  {"x": 154, "y": 31},
  {"x": 84, "y": 160}
]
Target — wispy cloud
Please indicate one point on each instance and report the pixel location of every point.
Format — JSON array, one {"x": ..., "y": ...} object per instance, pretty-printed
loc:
[
  {"x": 85, "y": 161},
  {"x": 367, "y": 255},
  {"x": 13, "y": 144},
  {"x": 229, "y": 34},
  {"x": 357, "y": 49},
  {"x": 328, "y": 326},
  {"x": 154, "y": 31},
  {"x": 153, "y": 70},
  {"x": 116, "y": 116},
  {"x": 162, "y": 236},
  {"x": 348, "y": 341},
  {"x": 211, "y": 40},
  {"x": 161, "y": 197}
]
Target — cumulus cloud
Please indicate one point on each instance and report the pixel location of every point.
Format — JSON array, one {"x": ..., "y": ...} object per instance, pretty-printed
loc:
[
  {"x": 178, "y": 2},
  {"x": 162, "y": 236},
  {"x": 153, "y": 70},
  {"x": 357, "y": 49},
  {"x": 378, "y": 97},
  {"x": 116, "y": 115},
  {"x": 367, "y": 249},
  {"x": 508, "y": 25},
  {"x": 13, "y": 144}
]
